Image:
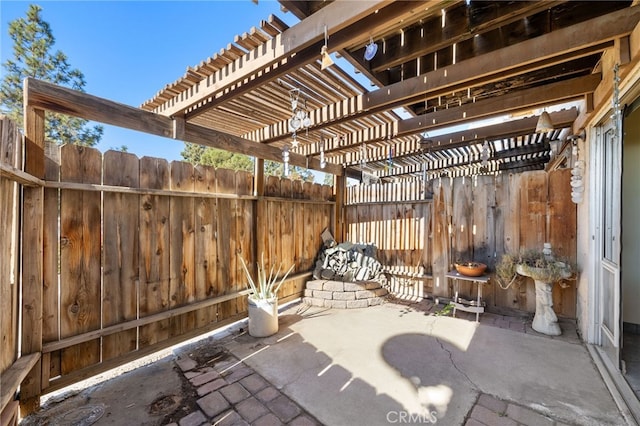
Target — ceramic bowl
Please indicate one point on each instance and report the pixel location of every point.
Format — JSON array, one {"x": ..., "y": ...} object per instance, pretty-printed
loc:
[{"x": 471, "y": 269}]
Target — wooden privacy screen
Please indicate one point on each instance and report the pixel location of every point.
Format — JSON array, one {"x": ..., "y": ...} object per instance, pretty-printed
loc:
[
  {"x": 142, "y": 253},
  {"x": 478, "y": 219}
]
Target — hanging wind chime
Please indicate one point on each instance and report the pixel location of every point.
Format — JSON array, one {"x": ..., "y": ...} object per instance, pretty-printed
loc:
[{"x": 323, "y": 160}]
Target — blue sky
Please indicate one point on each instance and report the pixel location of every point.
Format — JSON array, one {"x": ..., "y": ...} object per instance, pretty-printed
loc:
[{"x": 129, "y": 50}]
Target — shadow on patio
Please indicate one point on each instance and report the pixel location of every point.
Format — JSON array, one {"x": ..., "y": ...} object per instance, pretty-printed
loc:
[{"x": 389, "y": 364}]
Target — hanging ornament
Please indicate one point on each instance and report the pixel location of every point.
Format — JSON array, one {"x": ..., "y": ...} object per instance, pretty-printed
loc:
[
  {"x": 294, "y": 142},
  {"x": 363, "y": 155},
  {"x": 370, "y": 50},
  {"x": 484, "y": 155},
  {"x": 323, "y": 161},
  {"x": 285, "y": 159},
  {"x": 577, "y": 173}
]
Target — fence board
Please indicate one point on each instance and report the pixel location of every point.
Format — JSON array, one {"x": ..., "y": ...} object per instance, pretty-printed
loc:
[
  {"x": 441, "y": 237},
  {"x": 462, "y": 220},
  {"x": 533, "y": 226},
  {"x": 287, "y": 253},
  {"x": 244, "y": 230},
  {"x": 120, "y": 265},
  {"x": 10, "y": 146},
  {"x": 80, "y": 296},
  {"x": 154, "y": 249},
  {"x": 562, "y": 236},
  {"x": 302, "y": 263},
  {"x": 483, "y": 229},
  {"x": 206, "y": 225},
  {"x": 510, "y": 197},
  {"x": 225, "y": 180},
  {"x": 51, "y": 247},
  {"x": 272, "y": 186},
  {"x": 182, "y": 242},
  {"x": 310, "y": 251}
]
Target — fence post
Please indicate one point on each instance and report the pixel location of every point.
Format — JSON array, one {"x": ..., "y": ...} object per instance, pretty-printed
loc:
[
  {"x": 32, "y": 252},
  {"x": 340, "y": 185}
]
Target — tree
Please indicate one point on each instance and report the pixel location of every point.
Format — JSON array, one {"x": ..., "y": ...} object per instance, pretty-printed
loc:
[
  {"x": 219, "y": 158},
  {"x": 274, "y": 168},
  {"x": 199, "y": 154},
  {"x": 32, "y": 43},
  {"x": 328, "y": 179}
]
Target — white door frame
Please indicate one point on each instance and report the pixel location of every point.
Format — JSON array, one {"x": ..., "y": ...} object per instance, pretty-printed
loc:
[{"x": 599, "y": 334}]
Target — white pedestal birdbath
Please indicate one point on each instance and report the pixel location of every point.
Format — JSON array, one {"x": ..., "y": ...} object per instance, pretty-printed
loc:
[{"x": 545, "y": 320}]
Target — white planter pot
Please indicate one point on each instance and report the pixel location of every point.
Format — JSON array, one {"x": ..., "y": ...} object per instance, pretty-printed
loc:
[{"x": 263, "y": 317}]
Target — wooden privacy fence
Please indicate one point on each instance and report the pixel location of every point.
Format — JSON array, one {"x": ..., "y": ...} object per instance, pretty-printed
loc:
[
  {"x": 138, "y": 254},
  {"x": 479, "y": 219},
  {"x": 12, "y": 368},
  {"x": 145, "y": 253}
]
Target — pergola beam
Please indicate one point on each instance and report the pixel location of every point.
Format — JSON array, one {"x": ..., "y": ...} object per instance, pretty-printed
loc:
[
  {"x": 560, "y": 119},
  {"x": 282, "y": 49},
  {"x": 50, "y": 97},
  {"x": 416, "y": 44},
  {"x": 581, "y": 39},
  {"x": 519, "y": 100},
  {"x": 556, "y": 47}
]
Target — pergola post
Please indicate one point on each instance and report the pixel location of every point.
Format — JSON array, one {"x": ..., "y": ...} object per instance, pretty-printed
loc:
[
  {"x": 339, "y": 190},
  {"x": 32, "y": 254}
]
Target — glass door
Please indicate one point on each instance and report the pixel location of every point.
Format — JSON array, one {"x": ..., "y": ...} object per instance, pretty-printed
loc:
[{"x": 607, "y": 239}]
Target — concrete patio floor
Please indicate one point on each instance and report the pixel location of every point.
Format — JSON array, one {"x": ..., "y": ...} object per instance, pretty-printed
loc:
[
  {"x": 371, "y": 366},
  {"x": 397, "y": 363}
]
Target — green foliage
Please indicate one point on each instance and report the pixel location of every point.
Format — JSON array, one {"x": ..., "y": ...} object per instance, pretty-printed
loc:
[
  {"x": 265, "y": 286},
  {"x": 445, "y": 311},
  {"x": 273, "y": 168},
  {"x": 328, "y": 179},
  {"x": 221, "y": 159},
  {"x": 218, "y": 158},
  {"x": 534, "y": 264},
  {"x": 32, "y": 57}
]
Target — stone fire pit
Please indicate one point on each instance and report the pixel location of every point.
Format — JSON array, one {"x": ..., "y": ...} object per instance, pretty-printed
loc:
[
  {"x": 346, "y": 276},
  {"x": 344, "y": 295}
]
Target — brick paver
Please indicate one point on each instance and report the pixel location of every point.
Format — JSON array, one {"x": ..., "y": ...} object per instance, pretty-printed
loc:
[
  {"x": 205, "y": 378},
  {"x": 303, "y": 420},
  {"x": 268, "y": 419},
  {"x": 194, "y": 419},
  {"x": 229, "y": 418},
  {"x": 213, "y": 404},
  {"x": 266, "y": 395},
  {"x": 284, "y": 408},
  {"x": 232, "y": 393},
  {"x": 211, "y": 386},
  {"x": 235, "y": 393},
  {"x": 254, "y": 383},
  {"x": 251, "y": 409}
]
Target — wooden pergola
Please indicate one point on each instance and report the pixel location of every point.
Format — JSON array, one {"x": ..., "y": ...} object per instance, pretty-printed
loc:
[{"x": 446, "y": 64}]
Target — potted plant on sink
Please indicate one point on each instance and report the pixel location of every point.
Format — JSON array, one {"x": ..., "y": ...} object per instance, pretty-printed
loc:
[
  {"x": 545, "y": 270},
  {"x": 263, "y": 298}
]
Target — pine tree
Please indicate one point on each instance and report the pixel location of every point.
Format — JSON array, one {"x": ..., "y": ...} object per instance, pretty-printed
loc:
[{"x": 32, "y": 44}]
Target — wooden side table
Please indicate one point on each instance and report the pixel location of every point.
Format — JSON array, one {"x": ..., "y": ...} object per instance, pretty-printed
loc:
[{"x": 479, "y": 281}]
